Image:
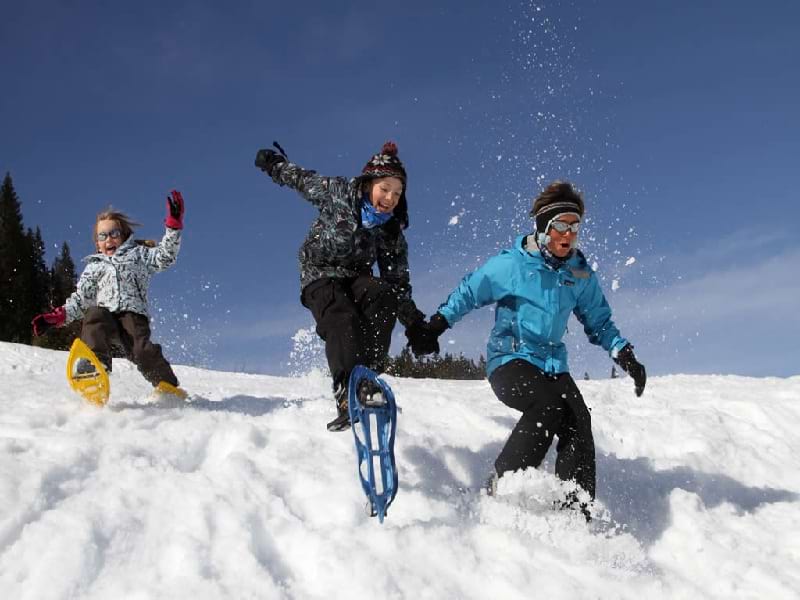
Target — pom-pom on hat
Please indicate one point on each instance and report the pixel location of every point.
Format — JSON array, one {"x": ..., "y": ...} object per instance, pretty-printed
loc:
[{"x": 384, "y": 164}]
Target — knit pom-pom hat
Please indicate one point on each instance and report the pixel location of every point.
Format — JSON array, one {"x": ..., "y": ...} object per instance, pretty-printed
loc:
[{"x": 385, "y": 164}]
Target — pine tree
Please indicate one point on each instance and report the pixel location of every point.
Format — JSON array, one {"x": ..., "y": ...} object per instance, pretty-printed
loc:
[
  {"x": 39, "y": 290},
  {"x": 63, "y": 277},
  {"x": 16, "y": 268},
  {"x": 436, "y": 367}
]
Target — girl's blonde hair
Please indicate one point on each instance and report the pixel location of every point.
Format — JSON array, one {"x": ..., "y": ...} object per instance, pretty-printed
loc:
[{"x": 126, "y": 224}]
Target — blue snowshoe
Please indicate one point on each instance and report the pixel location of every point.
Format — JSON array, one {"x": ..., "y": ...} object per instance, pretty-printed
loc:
[{"x": 373, "y": 413}]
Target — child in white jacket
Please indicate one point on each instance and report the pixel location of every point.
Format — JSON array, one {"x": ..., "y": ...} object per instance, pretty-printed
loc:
[{"x": 111, "y": 295}]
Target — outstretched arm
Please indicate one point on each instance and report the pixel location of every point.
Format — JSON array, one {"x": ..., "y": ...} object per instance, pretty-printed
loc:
[
  {"x": 165, "y": 253},
  {"x": 392, "y": 253},
  {"x": 314, "y": 188},
  {"x": 594, "y": 313},
  {"x": 84, "y": 296},
  {"x": 487, "y": 285}
]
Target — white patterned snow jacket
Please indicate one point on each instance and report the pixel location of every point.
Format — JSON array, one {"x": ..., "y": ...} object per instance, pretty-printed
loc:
[{"x": 119, "y": 282}]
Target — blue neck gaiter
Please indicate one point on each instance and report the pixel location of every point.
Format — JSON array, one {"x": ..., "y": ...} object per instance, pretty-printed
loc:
[{"x": 370, "y": 217}]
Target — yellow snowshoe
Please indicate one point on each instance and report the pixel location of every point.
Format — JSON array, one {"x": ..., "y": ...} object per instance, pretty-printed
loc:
[
  {"x": 163, "y": 388},
  {"x": 92, "y": 382}
]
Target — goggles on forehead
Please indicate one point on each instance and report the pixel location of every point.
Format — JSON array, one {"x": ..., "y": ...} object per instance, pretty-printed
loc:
[
  {"x": 562, "y": 227},
  {"x": 114, "y": 234}
]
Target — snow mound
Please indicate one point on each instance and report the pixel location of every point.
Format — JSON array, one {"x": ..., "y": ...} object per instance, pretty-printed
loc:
[{"x": 242, "y": 493}]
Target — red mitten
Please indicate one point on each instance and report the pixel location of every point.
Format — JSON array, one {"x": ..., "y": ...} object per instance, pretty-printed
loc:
[
  {"x": 174, "y": 218},
  {"x": 41, "y": 323}
]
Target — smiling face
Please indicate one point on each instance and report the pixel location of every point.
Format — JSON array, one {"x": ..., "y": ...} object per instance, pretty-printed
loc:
[
  {"x": 112, "y": 232},
  {"x": 560, "y": 244},
  {"x": 384, "y": 193}
]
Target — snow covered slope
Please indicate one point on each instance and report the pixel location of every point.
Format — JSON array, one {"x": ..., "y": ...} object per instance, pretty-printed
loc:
[{"x": 242, "y": 493}]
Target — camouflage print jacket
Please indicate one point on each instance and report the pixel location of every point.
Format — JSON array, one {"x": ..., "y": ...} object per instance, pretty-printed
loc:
[
  {"x": 119, "y": 282},
  {"x": 337, "y": 245}
]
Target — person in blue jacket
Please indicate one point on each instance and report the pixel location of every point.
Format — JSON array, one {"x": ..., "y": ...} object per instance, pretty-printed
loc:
[{"x": 535, "y": 286}]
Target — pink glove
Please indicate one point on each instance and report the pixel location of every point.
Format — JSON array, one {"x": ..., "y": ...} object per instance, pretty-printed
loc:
[
  {"x": 41, "y": 323},
  {"x": 174, "y": 218}
]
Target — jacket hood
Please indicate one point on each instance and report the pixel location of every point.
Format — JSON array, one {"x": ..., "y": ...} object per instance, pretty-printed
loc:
[
  {"x": 576, "y": 261},
  {"x": 124, "y": 247}
]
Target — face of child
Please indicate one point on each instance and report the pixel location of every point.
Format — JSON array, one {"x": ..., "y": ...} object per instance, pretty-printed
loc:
[
  {"x": 385, "y": 193},
  {"x": 108, "y": 237},
  {"x": 561, "y": 243}
]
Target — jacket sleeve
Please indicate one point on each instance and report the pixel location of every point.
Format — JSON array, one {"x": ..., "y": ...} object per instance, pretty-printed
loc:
[
  {"x": 84, "y": 296},
  {"x": 487, "y": 285},
  {"x": 393, "y": 267},
  {"x": 594, "y": 313},
  {"x": 165, "y": 253},
  {"x": 314, "y": 188}
]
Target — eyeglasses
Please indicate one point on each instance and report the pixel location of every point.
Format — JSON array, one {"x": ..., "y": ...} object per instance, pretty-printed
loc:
[
  {"x": 114, "y": 234},
  {"x": 562, "y": 227}
]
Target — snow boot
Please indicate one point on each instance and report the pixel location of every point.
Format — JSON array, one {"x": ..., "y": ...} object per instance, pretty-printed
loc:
[{"x": 342, "y": 420}]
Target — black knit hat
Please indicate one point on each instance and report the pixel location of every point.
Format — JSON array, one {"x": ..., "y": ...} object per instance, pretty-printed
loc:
[
  {"x": 557, "y": 198},
  {"x": 386, "y": 164}
]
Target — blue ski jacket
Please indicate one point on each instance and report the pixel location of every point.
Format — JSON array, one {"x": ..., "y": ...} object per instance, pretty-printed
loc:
[{"x": 533, "y": 304}]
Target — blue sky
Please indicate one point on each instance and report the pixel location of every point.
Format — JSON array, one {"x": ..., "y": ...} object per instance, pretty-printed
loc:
[{"x": 678, "y": 120}]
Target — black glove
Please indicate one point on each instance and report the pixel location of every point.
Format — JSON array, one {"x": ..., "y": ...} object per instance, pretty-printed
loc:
[
  {"x": 266, "y": 159},
  {"x": 424, "y": 337},
  {"x": 627, "y": 360}
]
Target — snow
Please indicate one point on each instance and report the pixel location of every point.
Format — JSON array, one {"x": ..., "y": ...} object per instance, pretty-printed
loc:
[{"x": 242, "y": 493}]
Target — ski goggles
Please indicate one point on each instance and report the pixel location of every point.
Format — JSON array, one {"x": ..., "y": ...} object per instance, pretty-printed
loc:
[
  {"x": 114, "y": 234},
  {"x": 562, "y": 227}
]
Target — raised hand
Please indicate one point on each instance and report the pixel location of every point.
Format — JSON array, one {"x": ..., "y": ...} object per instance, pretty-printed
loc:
[
  {"x": 267, "y": 158},
  {"x": 175, "y": 209}
]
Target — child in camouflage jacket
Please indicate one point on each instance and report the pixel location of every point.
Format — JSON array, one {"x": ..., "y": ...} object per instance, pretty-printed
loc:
[{"x": 360, "y": 223}]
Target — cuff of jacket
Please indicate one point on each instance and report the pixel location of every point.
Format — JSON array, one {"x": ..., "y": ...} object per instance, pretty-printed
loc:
[
  {"x": 616, "y": 345},
  {"x": 408, "y": 313}
]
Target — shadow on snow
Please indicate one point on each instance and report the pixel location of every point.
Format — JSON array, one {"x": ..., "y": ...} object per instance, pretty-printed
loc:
[
  {"x": 252, "y": 406},
  {"x": 635, "y": 494}
]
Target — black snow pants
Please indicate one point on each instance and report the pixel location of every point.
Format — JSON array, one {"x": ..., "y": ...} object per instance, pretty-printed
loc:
[
  {"x": 355, "y": 317},
  {"x": 551, "y": 405},
  {"x": 102, "y": 329}
]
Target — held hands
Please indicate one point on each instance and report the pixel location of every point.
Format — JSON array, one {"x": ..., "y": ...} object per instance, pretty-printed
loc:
[
  {"x": 174, "y": 218},
  {"x": 424, "y": 337},
  {"x": 627, "y": 360},
  {"x": 42, "y": 323}
]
